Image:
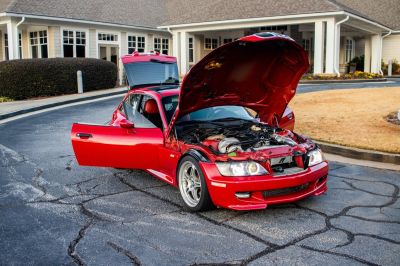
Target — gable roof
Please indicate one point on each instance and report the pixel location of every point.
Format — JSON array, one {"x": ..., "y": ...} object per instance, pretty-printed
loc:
[
  {"x": 5, "y": 4},
  {"x": 194, "y": 11},
  {"x": 147, "y": 13},
  {"x": 153, "y": 13},
  {"x": 386, "y": 12}
]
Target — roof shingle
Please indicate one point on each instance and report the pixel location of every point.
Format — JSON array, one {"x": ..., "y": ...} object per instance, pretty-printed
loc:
[
  {"x": 148, "y": 13},
  {"x": 153, "y": 13}
]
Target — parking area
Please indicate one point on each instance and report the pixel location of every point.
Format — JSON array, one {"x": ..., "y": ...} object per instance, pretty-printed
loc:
[{"x": 55, "y": 212}]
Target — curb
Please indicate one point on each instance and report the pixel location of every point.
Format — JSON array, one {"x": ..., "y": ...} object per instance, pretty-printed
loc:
[
  {"x": 359, "y": 154},
  {"x": 46, "y": 106},
  {"x": 308, "y": 82}
]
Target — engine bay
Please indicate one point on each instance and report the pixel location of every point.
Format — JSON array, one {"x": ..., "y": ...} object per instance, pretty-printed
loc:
[
  {"x": 280, "y": 151},
  {"x": 242, "y": 137}
]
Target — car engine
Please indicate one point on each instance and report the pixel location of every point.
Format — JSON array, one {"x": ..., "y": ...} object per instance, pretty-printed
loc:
[{"x": 245, "y": 137}]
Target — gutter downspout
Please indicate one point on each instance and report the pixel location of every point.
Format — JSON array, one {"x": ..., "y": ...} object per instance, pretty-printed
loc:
[
  {"x": 380, "y": 63},
  {"x": 169, "y": 31},
  {"x": 19, "y": 23},
  {"x": 336, "y": 41}
]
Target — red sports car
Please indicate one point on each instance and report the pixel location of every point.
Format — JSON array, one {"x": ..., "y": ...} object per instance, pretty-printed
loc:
[{"x": 224, "y": 136}]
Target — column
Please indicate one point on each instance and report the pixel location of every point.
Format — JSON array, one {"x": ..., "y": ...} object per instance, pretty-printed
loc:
[
  {"x": 337, "y": 49},
  {"x": 367, "y": 54},
  {"x": 13, "y": 42},
  {"x": 319, "y": 47},
  {"x": 184, "y": 52},
  {"x": 330, "y": 46},
  {"x": 375, "y": 53},
  {"x": 176, "y": 44}
]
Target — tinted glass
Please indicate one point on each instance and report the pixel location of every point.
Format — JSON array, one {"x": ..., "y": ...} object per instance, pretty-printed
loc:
[
  {"x": 139, "y": 120},
  {"x": 219, "y": 112},
  {"x": 170, "y": 103},
  {"x": 141, "y": 73}
]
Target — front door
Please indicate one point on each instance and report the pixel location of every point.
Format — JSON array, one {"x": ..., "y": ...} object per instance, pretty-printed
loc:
[
  {"x": 114, "y": 146},
  {"x": 109, "y": 53}
]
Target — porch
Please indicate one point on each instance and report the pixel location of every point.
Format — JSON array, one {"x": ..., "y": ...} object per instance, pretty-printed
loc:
[{"x": 331, "y": 41}]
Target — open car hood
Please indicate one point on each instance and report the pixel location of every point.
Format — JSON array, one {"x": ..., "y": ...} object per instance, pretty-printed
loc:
[{"x": 260, "y": 72}]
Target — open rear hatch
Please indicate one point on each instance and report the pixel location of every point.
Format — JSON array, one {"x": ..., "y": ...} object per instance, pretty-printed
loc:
[{"x": 148, "y": 69}]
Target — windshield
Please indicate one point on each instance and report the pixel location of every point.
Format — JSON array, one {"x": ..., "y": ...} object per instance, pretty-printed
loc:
[
  {"x": 208, "y": 114},
  {"x": 218, "y": 113},
  {"x": 157, "y": 72}
]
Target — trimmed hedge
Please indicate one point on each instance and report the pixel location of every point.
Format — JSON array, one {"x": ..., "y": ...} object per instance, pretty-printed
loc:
[{"x": 30, "y": 78}]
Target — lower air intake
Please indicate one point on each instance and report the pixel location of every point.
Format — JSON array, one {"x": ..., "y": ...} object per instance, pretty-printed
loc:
[{"x": 282, "y": 191}]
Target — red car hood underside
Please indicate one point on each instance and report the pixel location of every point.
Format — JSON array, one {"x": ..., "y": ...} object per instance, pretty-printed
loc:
[{"x": 261, "y": 73}]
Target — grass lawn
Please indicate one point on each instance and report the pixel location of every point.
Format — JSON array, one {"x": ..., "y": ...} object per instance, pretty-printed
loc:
[
  {"x": 5, "y": 99},
  {"x": 353, "y": 117}
]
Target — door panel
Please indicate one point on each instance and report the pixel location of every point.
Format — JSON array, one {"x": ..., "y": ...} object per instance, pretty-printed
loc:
[{"x": 108, "y": 146}]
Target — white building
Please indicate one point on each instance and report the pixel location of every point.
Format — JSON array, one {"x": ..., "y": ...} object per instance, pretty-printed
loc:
[{"x": 332, "y": 32}]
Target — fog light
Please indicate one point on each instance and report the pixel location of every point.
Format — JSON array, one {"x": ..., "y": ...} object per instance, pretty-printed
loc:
[{"x": 243, "y": 195}]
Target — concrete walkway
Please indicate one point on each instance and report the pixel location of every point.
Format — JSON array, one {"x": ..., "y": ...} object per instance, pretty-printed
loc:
[{"x": 10, "y": 109}]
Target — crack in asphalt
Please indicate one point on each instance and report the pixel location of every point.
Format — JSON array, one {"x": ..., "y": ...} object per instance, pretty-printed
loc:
[
  {"x": 271, "y": 247},
  {"x": 35, "y": 180},
  {"x": 71, "y": 248},
  {"x": 69, "y": 164},
  {"x": 135, "y": 261},
  {"x": 339, "y": 254}
]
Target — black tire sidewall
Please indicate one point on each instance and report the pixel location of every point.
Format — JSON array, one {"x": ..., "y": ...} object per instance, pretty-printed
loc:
[{"x": 205, "y": 202}]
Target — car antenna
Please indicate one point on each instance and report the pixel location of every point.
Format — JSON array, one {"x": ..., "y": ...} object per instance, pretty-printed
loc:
[{"x": 276, "y": 118}]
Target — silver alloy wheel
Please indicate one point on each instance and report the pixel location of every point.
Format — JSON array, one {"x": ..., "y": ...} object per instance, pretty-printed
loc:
[{"x": 190, "y": 184}]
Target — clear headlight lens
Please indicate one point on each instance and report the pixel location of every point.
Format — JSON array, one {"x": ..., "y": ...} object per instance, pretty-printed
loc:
[
  {"x": 240, "y": 169},
  {"x": 316, "y": 157}
]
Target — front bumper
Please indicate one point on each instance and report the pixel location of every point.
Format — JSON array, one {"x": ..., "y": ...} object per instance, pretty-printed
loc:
[{"x": 224, "y": 194}]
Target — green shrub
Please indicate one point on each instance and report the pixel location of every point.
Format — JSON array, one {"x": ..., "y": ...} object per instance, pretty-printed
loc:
[
  {"x": 359, "y": 61},
  {"x": 5, "y": 99},
  {"x": 395, "y": 67},
  {"x": 29, "y": 78}
]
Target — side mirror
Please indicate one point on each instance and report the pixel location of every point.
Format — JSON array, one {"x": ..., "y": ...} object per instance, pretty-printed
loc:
[{"x": 126, "y": 124}]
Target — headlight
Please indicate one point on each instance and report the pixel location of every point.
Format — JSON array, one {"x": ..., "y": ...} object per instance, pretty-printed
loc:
[
  {"x": 316, "y": 157},
  {"x": 240, "y": 169}
]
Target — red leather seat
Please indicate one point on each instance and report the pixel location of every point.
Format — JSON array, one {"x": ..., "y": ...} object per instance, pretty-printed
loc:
[
  {"x": 152, "y": 113},
  {"x": 150, "y": 107}
]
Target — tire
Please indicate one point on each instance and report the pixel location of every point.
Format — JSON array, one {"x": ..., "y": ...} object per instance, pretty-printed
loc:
[{"x": 193, "y": 186}]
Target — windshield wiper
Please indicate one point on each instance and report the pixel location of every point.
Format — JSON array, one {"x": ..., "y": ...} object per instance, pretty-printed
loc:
[
  {"x": 199, "y": 122},
  {"x": 231, "y": 119},
  {"x": 160, "y": 62}
]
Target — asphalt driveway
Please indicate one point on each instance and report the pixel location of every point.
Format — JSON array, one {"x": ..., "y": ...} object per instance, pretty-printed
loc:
[{"x": 55, "y": 212}]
